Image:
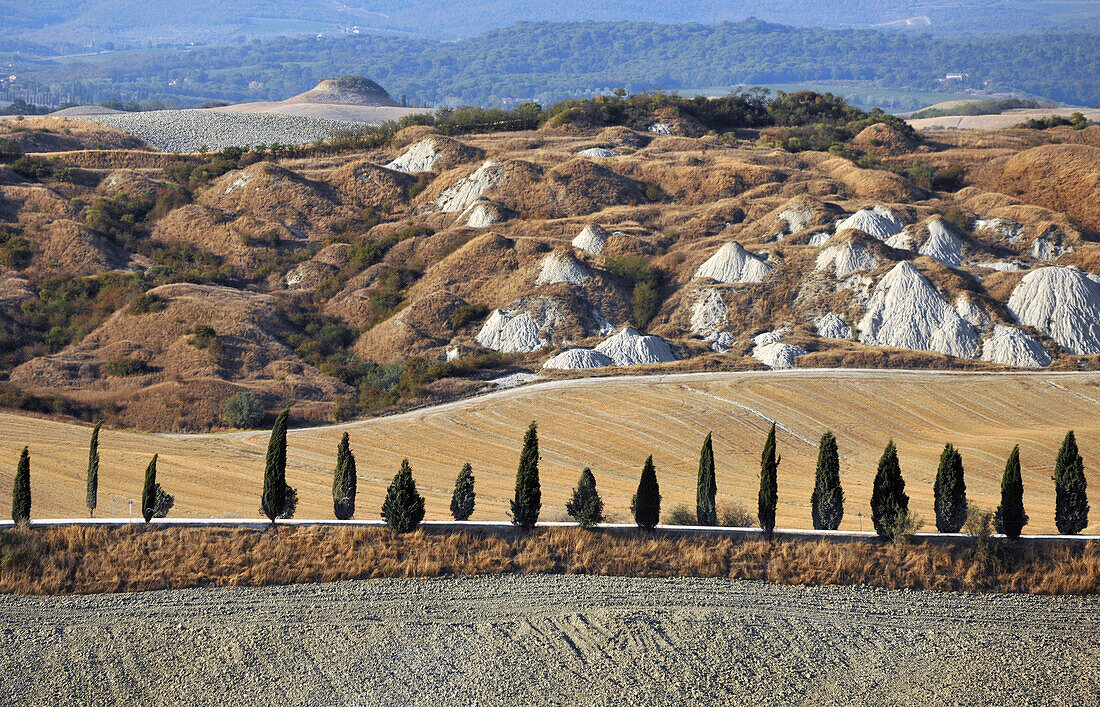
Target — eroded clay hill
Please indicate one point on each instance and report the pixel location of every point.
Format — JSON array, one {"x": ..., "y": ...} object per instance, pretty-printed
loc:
[{"x": 359, "y": 281}]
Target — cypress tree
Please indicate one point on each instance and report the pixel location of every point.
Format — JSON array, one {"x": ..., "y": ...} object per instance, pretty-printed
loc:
[
  {"x": 92, "y": 493},
  {"x": 21, "y": 492},
  {"x": 950, "y": 492},
  {"x": 343, "y": 481},
  {"x": 149, "y": 491},
  {"x": 273, "y": 500},
  {"x": 528, "y": 500},
  {"x": 827, "y": 500},
  {"x": 586, "y": 507},
  {"x": 462, "y": 500},
  {"x": 646, "y": 504},
  {"x": 888, "y": 498},
  {"x": 1010, "y": 517},
  {"x": 403, "y": 508},
  {"x": 705, "y": 511},
  {"x": 768, "y": 498},
  {"x": 1071, "y": 503}
]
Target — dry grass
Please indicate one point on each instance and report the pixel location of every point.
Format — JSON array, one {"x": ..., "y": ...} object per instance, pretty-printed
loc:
[{"x": 79, "y": 560}]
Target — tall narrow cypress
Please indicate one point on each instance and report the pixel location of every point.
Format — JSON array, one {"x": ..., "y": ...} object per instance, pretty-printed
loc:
[
  {"x": 646, "y": 504},
  {"x": 950, "y": 492},
  {"x": 706, "y": 487},
  {"x": 21, "y": 492},
  {"x": 403, "y": 508},
  {"x": 528, "y": 501},
  {"x": 92, "y": 492},
  {"x": 888, "y": 498},
  {"x": 1010, "y": 517},
  {"x": 1071, "y": 503},
  {"x": 463, "y": 498},
  {"x": 827, "y": 500},
  {"x": 273, "y": 500},
  {"x": 343, "y": 481},
  {"x": 768, "y": 498},
  {"x": 149, "y": 491}
]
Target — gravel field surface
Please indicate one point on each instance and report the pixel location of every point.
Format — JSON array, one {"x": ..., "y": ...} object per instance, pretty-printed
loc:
[
  {"x": 549, "y": 639},
  {"x": 189, "y": 130}
]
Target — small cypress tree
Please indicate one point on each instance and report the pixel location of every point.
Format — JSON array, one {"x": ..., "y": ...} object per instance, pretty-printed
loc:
[
  {"x": 888, "y": 498},
  {"x": 1071, "y": 503},
  {"x": 1010, "y": 517},
  {"x": 706, "y": 513},
  {"x": 646, "y": 504},
  {"x": 586, "y": 507},
  {"x": 343, "y": 481},
  {"x": 768, "y": 498},
  {"x": 92, "y": 493},
  {"x": 528, "y": 501},
  {"x": 21, "y": 492},
  {"x": 273, "y": 500},
  {"x": 149, "y": 491},
  {"x": 403, "y": 508},
  {"x": 950, "y": 492},
  {"x": 827, "y": 500},
  {"x": 462, "y": 500}
]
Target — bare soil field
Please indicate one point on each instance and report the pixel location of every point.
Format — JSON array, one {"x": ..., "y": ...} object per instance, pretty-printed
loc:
[
  {"x": 611, "y": 425},
  {"x": 1007, "y": 119},
  {"x": 543, "y": 639}
]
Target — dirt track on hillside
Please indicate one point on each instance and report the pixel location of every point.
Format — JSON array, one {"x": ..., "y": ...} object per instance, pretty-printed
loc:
[{"x": 538, "y": 639}]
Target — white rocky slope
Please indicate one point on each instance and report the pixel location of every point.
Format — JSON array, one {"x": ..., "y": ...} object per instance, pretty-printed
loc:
[
  {"x": 796, "y": 215},
  {"x": 559, "y": 267},
  {"x": 597, "y": 152},
  {"x": 942, "y": 244},
  {"x": 846, "y": 258},
  {"x": 510, "y": 332},
  {"x": 1063, "y": 303},
  {"x": 630, "y": 348},
  {"x": 1011, "y": 347},
  {"x": 832, "y": 326},
  {"x": 708, "y": 314},
  {"x": 770, "y": 350},
  {"x": 733, "y": 265},
  {"x": 460, "y": 195},
  {"x": 878, "y": 222},
  {"x": 591, "y": 239},
  {"x": 421, "y": 157},
  {"x": 578, "y": 358},
  {"x": 907, "y": 311},
  {"x": 480, "y": 214}
]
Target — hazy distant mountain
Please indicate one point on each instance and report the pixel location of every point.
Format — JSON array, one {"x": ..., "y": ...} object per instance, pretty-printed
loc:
[{"x": 143, "y": 21}]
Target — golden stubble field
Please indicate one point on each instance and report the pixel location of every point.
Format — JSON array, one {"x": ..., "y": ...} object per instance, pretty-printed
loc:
[{"x": 611, "y": 425}]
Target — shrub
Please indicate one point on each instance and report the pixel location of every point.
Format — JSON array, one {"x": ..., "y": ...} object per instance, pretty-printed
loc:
[
  {"x": 681, "y": 515},
  {"x": 463, "y": 497},
  {"x": 32, "y": 168},
  {"x": 734, "y": 515},
  {"x": 146, "y": 304},
  {"x": 466, "y": 313},
  {"x": 403, "y": 508},
  {"x": 15, "y": 251},
  {"x": 243, "y": 410},
  {"x": 586, "y": 507},
  {"x": 645, "y": 283},
  {"x": 9, "y": 151},
  {"x": 123, "y": 367},
  {"x": 979, "y": 526}
]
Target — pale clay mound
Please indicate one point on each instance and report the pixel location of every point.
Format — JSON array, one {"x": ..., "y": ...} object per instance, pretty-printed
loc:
[
  {"x": 907, "y": 311},
  {"x": 732, "y": 265},
  {"x": 1063, "y": 303},
  {"x": 481, "y": 214},
  {"x": 1009, "y": 230},
  {"x": 420, "y": 157},
  {"x": 877, "y": 222},
  {"x": 1043, "y": 249},
  {"x": 557, "y": 268},
  {"x": 630, "y": 348},
  {"x": 511, "y": 333},
  {"x": 777, "y": 354},
  {"x": 832, "y": 326},
  {"x": 817, "y": 240},
  {"x": 460, "y": 195},
  {"x": 845, "y": 259},
  {"x": 942, "y": 244},
  {"x": 708, "y": 314},
  {"x": 596, "y": 152},
  {"x": 578, "y": 358},
  {"x": 1011, "y": 347},
  {"x": 797, "y": 216},
  {"x": 591, "y": 239}
]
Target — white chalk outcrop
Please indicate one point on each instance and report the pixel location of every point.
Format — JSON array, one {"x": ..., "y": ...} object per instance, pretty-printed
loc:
[
  {"x": 591, "y": 239},
  {"x": 1062, "y": 303},
  {"x": 1003, "y": 266},
  {"x": 846, "y": 258},
  {"x": 819, "y": 239},
  {"x": 733, "y": 265},
  {"x": 630, "y": 348},
  {"x": 578, "y": 358},
  {"x": 708, "y": 314},
  {"x": 878, "y": 222},
  {"x": 1043, "y": 249},
  {"x": 560, "y": 267},
  {"x": 942, "y": 244},
  {"x": 797, "y": 216},
  {"x": 831, "y": 326},
  {"x": 1009, "y": 346},
  {"x": 661, "y": 129},
  {"x": 460, "y": 195},
  {"x": 421, "y": 157},
  {"x": 778, "y": 354},
  {"x": 907, "y": 311},
  {"x": 1010, "y": 230},
  {"x": 601, "y": 153},
  {"x": 511, "y": 332},
  {"x": 481, "y": 214}
]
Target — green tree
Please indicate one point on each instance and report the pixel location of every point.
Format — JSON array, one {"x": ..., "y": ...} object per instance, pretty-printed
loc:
[
  {"x": 950, "y": 492},
  {"x": 343, "y": 481},
  {"x": 889, "y": 503},
  {"x": 646, "y": 504},
  {"x": 149, "y": 491},
  {"x": 1071, "y": 503},
  {"x": 462, "y": 500},
  {"x": 586, "y": 507},
  {"x": 243, "y": 409},
  {"x": 528, "y": 501},
  {"x": 403, "y": 508},
  {"x": 1010, "y": 517},
  {"x": 278, "y": 500},
  {"x": 92, "y": 491},
  {"x": 827, "y": 500},
  {"x": 768, "y": 498},
  {"x": 21, "y": 493},
  {"x": 706, "y": 513}
]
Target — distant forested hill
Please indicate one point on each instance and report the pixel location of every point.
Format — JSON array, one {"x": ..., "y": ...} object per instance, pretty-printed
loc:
[
  {"x": 127, "y": 22},
  {"x": 546, "y": 62}
]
